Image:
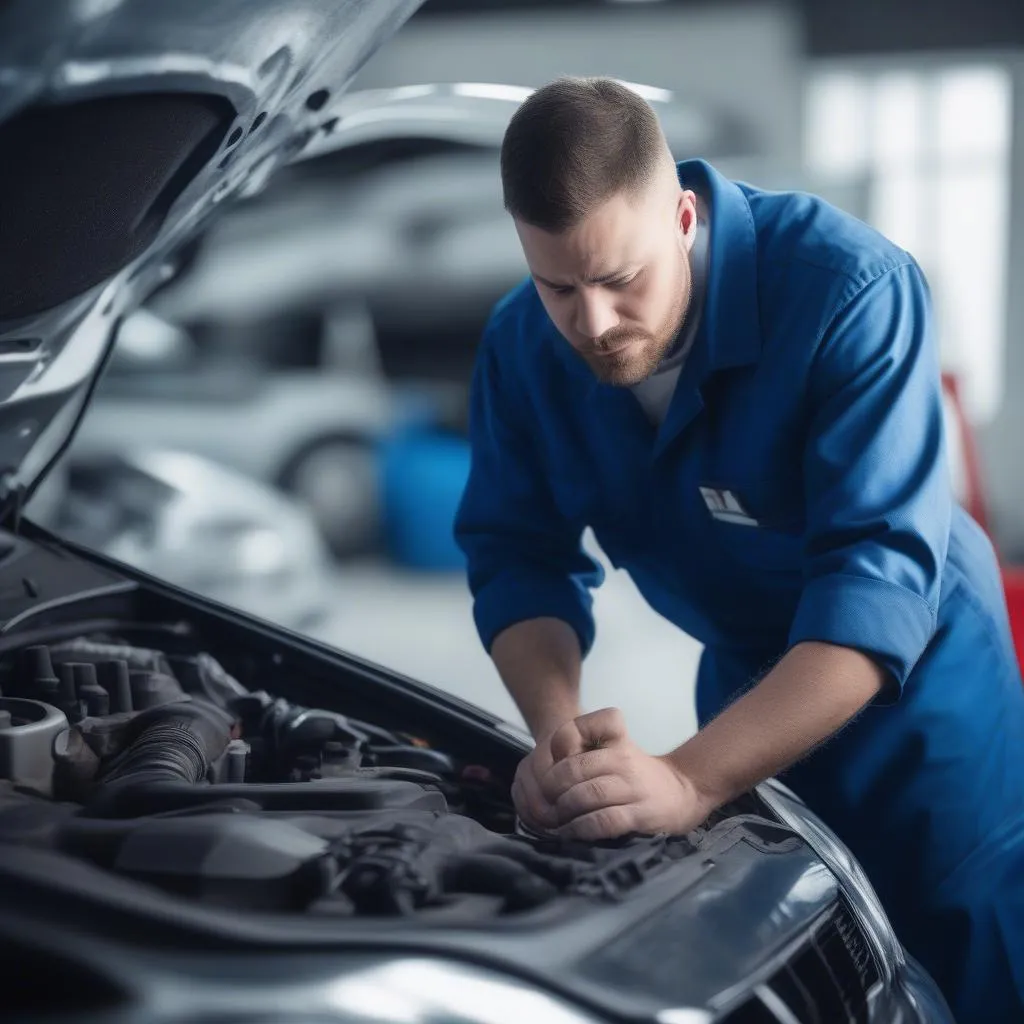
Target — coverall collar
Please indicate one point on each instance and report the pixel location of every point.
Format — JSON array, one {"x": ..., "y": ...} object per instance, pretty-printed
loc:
[{"x": 731, "y": 335}]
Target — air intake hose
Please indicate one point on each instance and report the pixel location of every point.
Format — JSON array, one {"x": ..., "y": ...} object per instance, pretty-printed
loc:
[{"x": 172, "y": 743}]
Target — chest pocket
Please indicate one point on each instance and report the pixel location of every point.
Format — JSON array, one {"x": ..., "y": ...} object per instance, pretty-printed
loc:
[{"x": 761, "y": 548}]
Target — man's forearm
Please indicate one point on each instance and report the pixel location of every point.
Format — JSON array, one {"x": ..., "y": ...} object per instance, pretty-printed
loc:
[
  {"x": 809, "y": 695},
  {"x": 539, "y": 662}
]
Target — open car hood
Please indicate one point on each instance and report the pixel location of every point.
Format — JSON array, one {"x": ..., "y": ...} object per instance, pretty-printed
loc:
[{"x": 124, "y": 126}]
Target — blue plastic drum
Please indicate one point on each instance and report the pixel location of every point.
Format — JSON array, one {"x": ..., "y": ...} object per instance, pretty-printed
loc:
[{"x": 423, "y": 474}]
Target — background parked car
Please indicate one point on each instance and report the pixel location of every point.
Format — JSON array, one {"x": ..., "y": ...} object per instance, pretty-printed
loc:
[
  {"x": 182, "y": 518},
  {"x": 306, "y": 431}
]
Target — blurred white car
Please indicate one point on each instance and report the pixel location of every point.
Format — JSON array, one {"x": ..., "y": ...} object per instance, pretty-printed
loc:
[
  {"x": 309, "y": 433},
  {"x": 180, "y": 517}
]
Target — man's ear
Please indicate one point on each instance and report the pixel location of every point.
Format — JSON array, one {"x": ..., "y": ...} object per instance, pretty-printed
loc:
[{"x": 686, "y": 218}]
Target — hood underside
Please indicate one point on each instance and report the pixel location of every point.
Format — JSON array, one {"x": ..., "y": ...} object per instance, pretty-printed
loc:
[{"x": 124, "y": 126}]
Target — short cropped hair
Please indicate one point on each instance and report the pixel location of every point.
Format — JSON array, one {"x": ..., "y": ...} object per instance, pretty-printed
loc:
[{"x": 574, "y": 144}]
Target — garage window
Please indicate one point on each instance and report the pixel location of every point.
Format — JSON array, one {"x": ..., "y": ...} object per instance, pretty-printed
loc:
[{"x": 923, "y": 154}]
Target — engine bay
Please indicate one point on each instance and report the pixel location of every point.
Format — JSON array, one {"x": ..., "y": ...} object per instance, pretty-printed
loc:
[
  {"x": 177, "y": 778},
  {"x": 165, "y": 769}
]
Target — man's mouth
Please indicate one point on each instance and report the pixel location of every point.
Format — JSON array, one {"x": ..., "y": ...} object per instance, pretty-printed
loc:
[{"x": 615, "y": 348}]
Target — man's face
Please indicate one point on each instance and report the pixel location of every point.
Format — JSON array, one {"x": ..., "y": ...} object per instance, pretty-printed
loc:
[{"x": 617, "y": 285}]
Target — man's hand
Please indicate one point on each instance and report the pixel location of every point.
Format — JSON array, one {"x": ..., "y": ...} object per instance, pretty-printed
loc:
[
  {"x": 527, "y": 795},
  {"x": 590, "y": 781}
]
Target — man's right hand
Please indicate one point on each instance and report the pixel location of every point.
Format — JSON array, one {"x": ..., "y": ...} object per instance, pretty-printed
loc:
[
  {"x": 529, "y": 800},
  {"x": 539, "y": 661}
]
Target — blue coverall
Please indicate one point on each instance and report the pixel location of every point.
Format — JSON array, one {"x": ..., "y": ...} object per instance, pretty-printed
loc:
[{"x": 796, "y": 490}]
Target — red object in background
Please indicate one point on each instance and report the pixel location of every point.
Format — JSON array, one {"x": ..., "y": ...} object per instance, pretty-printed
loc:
[
  {"x": 1013, "y": 584},
  {"x": 973, "y": 495},
  {"x": 973, "y": 499}
]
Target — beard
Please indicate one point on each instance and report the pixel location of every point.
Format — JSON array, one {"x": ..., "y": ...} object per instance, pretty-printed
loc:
[{"x": 643, "y": 351}]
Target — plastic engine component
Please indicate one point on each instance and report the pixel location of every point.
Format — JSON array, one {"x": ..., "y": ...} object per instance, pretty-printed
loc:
[
  {"x": 268, "y": 865},
  {"x": 114, "y": 678},
  {"x": 26, "y": 743}
]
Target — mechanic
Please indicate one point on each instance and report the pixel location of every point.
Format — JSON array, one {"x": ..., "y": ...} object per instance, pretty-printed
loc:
[{"x": 739, "y": 392}]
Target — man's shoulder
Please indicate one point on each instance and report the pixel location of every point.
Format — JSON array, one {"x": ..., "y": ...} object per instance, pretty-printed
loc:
[
  {"x": 518, "y": 331},
  {"x": 518, "y": 311},
  {"x": 803, "y": 234}
]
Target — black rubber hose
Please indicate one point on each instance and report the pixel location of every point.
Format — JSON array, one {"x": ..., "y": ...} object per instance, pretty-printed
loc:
[{"x": 171, "y": 743}]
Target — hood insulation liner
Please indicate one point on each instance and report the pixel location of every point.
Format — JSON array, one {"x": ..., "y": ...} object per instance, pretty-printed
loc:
[{"x": 87, "y": 186}]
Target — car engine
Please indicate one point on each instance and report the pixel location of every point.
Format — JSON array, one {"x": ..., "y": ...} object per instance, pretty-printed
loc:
[
  {"x": 175, "y": 781},
  {"x": 165, "y": 769}
]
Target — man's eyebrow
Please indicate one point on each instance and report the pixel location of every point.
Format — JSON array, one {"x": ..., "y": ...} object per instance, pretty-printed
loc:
[{"x": 596, "y": 279}]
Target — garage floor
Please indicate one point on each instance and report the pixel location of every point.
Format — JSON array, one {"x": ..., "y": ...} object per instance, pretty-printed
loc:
[{"x": 421, "y": 626}]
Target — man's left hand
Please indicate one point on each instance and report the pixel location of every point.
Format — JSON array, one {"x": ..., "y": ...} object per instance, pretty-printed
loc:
[{"x": 602, "y": 785}]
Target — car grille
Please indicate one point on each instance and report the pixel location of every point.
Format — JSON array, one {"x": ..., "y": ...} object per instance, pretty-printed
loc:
[{"x": 826, "y": 981}]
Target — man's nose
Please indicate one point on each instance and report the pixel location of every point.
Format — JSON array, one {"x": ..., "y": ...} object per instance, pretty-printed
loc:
[{"x": 594, "y": 314}]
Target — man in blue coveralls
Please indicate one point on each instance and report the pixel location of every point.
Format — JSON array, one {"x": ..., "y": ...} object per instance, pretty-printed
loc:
[{"x": 738, "y": 391}]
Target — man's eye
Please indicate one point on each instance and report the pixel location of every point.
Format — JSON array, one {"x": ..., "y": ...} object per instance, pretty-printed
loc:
[
  {"x": 562, "y": 291},
  {"x": 622, "y": 282}
]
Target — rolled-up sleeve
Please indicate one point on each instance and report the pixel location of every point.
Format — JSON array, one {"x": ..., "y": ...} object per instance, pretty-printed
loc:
[
  {"x": 525, "y": 560},
  {"x": 877, "y": 487}
]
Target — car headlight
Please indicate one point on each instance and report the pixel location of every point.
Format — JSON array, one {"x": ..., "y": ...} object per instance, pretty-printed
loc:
[{"x": 860, "y": 895}]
